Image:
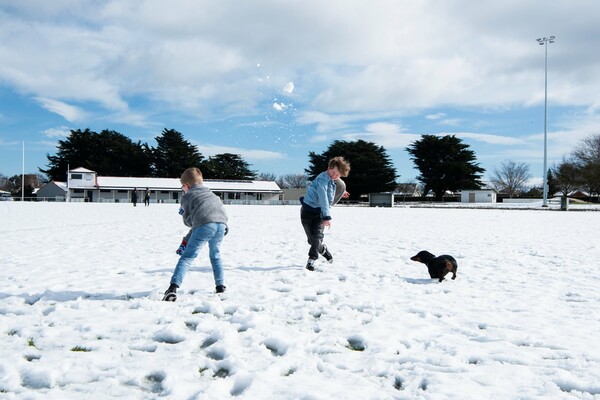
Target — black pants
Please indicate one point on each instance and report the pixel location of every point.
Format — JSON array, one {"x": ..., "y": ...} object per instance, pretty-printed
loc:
[{"x": 313, "y": 226}]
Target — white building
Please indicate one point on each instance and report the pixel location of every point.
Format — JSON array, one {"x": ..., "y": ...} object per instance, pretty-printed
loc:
[
  {"x": 52, "y": 191},
  {"x": 86, "y": 185},
  {"x": 478, "y": 196}
]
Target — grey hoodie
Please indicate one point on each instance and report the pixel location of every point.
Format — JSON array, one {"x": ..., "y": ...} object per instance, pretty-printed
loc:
[{"x": 201, "y": 206}]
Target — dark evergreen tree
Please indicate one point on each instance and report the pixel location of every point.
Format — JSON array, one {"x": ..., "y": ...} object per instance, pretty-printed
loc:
[
  {"x": 445, "y": 163},
  {"x": 227, "y": 166},
  {"x": 552, "y": 183},
  {"x": 173, "y": 155},
  {"x": 119, "y": 156},
  {"x": 370, "y": 167},
  {"x": 108, "y": 153}
]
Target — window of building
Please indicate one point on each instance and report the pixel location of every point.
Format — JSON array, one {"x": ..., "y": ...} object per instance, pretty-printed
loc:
[{"x": 76, "y": 176}]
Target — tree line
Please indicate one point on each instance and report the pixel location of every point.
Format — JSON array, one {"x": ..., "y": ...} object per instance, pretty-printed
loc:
[
  {"x": 579, "y": 170},
  {"x": 445, "y": 164},
  {"x": 111, "y": 153}
]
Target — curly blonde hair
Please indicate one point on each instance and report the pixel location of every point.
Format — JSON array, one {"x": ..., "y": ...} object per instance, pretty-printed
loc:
[{"x": 342, "y": 165}]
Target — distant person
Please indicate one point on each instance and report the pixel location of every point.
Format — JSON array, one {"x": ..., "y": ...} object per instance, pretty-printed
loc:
[
  {"x": 320, "y": 197},
  {"x": 134, "y": 197},
  {"x": 204, "y": 213},
  {"x": 147, "y": 197}
]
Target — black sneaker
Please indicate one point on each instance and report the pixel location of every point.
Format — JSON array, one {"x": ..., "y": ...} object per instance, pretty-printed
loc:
[
  {"x": 221, "y": 288},
  {"x": 327, "y": 254},
  {"x": 170, "y": 294},
  {"x": 310, "y": 264}
]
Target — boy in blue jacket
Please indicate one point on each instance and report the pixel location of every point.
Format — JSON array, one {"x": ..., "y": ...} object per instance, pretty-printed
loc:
[
  {"x": 315, "y": 212},
  {"x": 204, "y": 213}
]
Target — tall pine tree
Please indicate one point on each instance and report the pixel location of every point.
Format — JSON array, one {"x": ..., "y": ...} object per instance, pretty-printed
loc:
[
  {"x": 173, "y": 155},
  {"x": 227, "y": 166},
  {"x": 445, "y": 163},
  {"x": 371, "y": 170},
  {"x": 109, "y": 153}
]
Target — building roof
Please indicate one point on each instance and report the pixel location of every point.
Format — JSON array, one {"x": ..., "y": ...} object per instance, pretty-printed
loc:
[
  {"x": 119, "y": 182},
  {"x": 60, "y": 185},
  {"x": 81, "y": 169}
]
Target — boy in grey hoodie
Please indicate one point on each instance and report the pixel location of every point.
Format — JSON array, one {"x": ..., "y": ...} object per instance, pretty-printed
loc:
[{"x": 204, "y": 213}]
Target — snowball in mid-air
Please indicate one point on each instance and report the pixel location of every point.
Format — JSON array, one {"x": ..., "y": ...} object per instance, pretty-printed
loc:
[
  {"x": 289, "y": 87},
  {"x": 279, "y": 106}
]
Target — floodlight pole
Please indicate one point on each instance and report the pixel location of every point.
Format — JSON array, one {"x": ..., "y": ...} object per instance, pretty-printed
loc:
[{"x": 544, "y": 42}]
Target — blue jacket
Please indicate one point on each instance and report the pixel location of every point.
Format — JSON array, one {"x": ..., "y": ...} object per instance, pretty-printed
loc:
[{"x": 320, "y": 194}]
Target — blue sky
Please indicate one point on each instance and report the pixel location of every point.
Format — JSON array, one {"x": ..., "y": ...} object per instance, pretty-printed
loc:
[{"x": 273, "y": 80}]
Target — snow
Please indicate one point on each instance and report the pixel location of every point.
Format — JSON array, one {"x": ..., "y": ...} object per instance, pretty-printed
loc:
[
  {"x": 288, "y": 88},
  {"x": 81, "y": 316}
]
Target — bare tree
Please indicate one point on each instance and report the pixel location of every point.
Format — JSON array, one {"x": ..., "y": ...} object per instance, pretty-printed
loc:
[
  {"x": 5, "y": 183},
  {"x": 293, "y": 181},
  {"x": 567, "y": 176},
  {"x": 510, "y": 177},
  {"x": 587, "y": 157},
  {"x": 266, "y": 176}
]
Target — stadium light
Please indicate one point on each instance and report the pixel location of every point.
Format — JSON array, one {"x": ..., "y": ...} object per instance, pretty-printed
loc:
[{"x": 544, "y": 42}]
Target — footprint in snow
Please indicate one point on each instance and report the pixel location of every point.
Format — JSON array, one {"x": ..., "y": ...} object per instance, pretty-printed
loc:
[
  {"x": 277, "y": 347},
  {"x": 356, "y": 343}
]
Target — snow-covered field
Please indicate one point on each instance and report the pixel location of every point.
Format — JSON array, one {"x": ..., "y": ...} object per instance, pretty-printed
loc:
[{"x": 81, "y": 316}]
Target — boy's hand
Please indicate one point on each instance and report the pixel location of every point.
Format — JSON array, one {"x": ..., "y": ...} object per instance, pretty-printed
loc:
[
  {"x": 327, "y": 223},
  {"x": 181, "y": 248},
  {"x": 345, "y": 195}
]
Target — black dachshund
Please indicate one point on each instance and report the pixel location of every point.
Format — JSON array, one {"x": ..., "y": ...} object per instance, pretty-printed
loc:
[{"x": 438, "y": 267}]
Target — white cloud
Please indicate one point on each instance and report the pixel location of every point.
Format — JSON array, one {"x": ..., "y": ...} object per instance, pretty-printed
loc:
[
  {"x": 68, "y": 112},
  {"x": 389, "y": 135},
  {"x": 59, "y": 132},
  {"x": 248, "y": 154},
  {"x": 450, "y": 122},
  {"x": 147, "y": 63},
  {"x": 487, "y": 138},
  {"x": 435, "y": 116},
  {"x": 387, "y": 56}
]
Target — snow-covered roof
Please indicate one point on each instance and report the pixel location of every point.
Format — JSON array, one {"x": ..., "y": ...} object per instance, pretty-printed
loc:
[
  {"x": 118, "y": 182},
  {"x": 62, "y": 185},
  {"x": 81, "y": 169}
]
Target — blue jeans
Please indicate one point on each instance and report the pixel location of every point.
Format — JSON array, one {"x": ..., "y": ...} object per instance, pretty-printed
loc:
[{"x": 213, "y": 234}]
